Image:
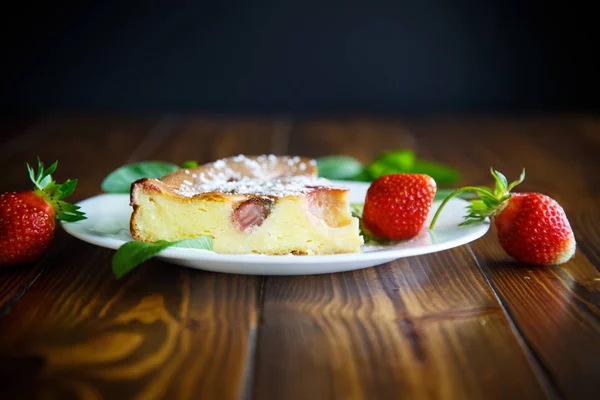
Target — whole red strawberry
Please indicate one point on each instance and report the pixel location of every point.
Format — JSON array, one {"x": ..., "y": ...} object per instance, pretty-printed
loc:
[
  {"x": 532, "y": 227},
  {"x": 397, "y": 205},
  {"x": 27, "y": 219}
]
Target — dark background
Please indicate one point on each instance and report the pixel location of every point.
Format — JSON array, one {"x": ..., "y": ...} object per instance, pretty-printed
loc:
[{"x": 399, "y": 57}]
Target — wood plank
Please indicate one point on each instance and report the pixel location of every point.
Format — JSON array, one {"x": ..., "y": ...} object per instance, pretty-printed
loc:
[
  {"x": 363, "y": 138},
  {"x": 557, "y": 309},
  {"x": 162, "y": 331},
  {"x": 87, "y": 148},
  {"x": 320, "y": 356},
  {"x": 557, "y": 316},
  {"x": 398, "y": 328},
  {"x": 418, "y": 327}
]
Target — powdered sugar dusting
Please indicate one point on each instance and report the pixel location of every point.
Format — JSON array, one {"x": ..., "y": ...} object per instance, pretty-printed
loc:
[
  {"x": 256, "y": 177},
  {"x": 279, "y": 187}
]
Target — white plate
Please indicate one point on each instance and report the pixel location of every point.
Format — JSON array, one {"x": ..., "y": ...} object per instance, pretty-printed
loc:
[{"x": 107, "y": 225}]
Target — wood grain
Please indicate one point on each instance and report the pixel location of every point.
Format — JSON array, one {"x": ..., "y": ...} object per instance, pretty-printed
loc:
[
  {"x": 422, "y": 327},
  {"x": 161, "y": 332},
  {"x": 320, "y": 357},
  {"x": 557, "y": 310},
  {"x": 413, "y": 328},
  {"x": 463, "y": 323}
]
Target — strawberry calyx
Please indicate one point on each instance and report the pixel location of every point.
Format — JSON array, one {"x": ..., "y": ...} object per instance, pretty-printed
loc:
[
  {"x": 490, "y": 203},
  {"x": 54, "y": 193}
]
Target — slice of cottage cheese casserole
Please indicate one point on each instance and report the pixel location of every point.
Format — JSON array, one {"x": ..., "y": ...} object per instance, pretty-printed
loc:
[{"x": 264, "y": 204}]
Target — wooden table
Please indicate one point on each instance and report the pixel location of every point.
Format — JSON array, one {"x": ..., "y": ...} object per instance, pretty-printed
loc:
[{"x": 466, "y": 323}]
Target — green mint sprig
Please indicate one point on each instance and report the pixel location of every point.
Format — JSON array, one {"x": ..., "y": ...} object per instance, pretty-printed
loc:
[
  {"x": 132, "y": 254},
  {"x": 392, "y": 162},
  {"x": 120, "y": 180},
  {"x": 339, "y": 167}
]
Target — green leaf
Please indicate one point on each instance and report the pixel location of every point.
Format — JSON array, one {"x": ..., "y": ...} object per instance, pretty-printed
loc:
[
  {"x": 339, "y": 167},
  {"x": 42, "y": 177},
  {"x": 120, "y": 180},
  {"x": 402, "y": 160},
  {"x": 369, "y": 238},
  {"x": 363, "y": 176},
  {"x": 50, "y": 170},
  {"x": 378, "y": 169},
  {"x": 71, "y": 217},
  {"x": 132, "y": 254},
  {"x": 45, "y": 181},
  {"x": 472, "y": 221},
  {"x": 392, "y": 162},
  {"x": 500, "y": 182},
  {"x": 441, "y": 174},
  {"x": 189, "y": 164},
  {"x": 489, "y": 201},
  {"x": 53, "y": 192},
  {"x": 517, "y": 182},
  {"x": 67, "y": 188},
  {"x": 405, "y": 161},
  {"x": 356, "y": 209},
  {"x": 69, "y": 212},
  {"x": 477, "y": 205},
  {"x": 31, "y": 173},
  {"x": 40, "y": 172},
  {"x": 485, "y": 190}
]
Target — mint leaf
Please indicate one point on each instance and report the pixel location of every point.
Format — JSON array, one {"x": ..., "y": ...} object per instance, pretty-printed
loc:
[
  {"x": 392, "y": 162},
  {"x": 363, "y": 176},
  {"x": 120, "y": 180},
  {"x": 405, "y": 161},
  {"x": 356, "y": 209},
  {"x": 132, "y": 254},
  {"x": 189, "y": 164},
  {"x": 441, "y": 174},
  {"x": 339, "y": 167}
]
